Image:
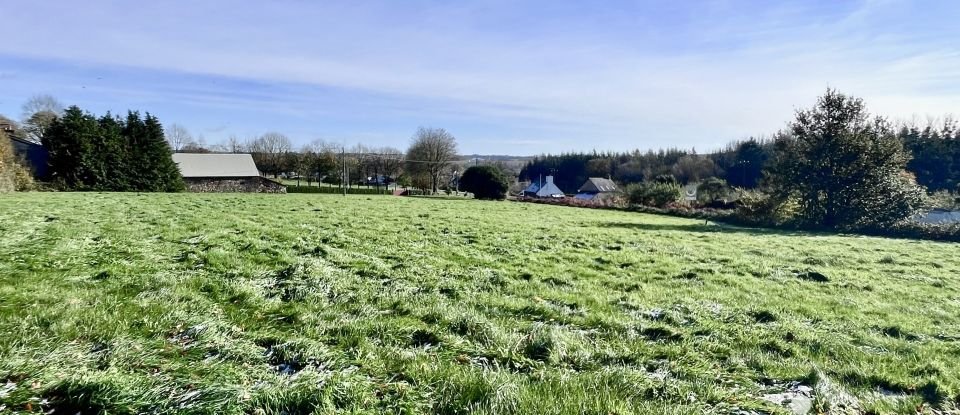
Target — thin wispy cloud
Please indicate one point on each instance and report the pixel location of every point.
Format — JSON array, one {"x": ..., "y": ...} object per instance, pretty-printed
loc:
[{"x": 505, "y": 77}]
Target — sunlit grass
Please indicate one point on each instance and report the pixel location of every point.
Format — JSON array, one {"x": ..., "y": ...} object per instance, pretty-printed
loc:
[{"x": 300, "y": 303}]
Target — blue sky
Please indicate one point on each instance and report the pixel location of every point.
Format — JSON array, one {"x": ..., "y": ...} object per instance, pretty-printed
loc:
[{"x": 504, "y": 76}]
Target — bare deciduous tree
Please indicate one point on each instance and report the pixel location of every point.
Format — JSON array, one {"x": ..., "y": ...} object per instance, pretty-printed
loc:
[
  {"x": 389, "y": 161},
  {"x": 384, "y": 162},
  {"x": 431, "y": 151},
  {"x": 41, "y": 103},
  {"x": 39, "y": 112},
  {"x": 178, "y": 137},
  {"x": 234, "y": 145},
  {"x": 270, "y": 153},
  {"x": 325, "y": 161}
]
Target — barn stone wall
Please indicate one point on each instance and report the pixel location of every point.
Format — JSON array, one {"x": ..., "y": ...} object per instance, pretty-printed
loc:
[{"x": 233, "y": 185}]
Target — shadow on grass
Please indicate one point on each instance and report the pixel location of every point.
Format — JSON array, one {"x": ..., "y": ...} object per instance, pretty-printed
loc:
[{"x": 701, "y": 227}]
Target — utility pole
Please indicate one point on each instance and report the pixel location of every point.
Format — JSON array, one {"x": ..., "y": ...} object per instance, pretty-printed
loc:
[{"x": 344, "y": 179}]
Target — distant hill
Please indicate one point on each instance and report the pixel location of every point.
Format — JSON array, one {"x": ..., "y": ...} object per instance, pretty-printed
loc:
[{"x": 494, "y": 157}]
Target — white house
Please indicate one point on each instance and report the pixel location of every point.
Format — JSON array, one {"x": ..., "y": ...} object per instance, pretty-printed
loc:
[{"x": 545, "y": 189}]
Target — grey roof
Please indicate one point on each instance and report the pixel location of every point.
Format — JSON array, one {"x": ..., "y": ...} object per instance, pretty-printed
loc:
[
  {"x": 216, "y": 165},
  {"x": 598, "y": 185},
  {"x": 532, "y": 188},
  {"x": 548, "y": 189}
]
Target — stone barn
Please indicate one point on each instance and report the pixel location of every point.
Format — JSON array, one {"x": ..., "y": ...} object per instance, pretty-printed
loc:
[{"x": 221, "y": 173}]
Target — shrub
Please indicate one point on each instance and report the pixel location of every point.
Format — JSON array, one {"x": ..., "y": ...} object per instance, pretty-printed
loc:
[
  {"x": 22, "y": 177},
  {"x": 655, "y": 194},
  {"x": 336, "y": 190},
  {"x": 758, "y": 208},
  {"x": 712, "y": 189},
  {"x": 14, "y": 176},
  {"x": 932, "y": 231},
  {"x": 607, "y": 203},
  {"x": 6, "y": 165},
  {"x": 485, "y": 182},
  {"x": 665, "y": 179}
]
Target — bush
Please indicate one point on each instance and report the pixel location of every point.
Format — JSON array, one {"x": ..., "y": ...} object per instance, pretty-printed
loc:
[
  {"x": 712, "y": 189},
  {"x": 485, "y": 182},
  {"x": 14, "y": 176},
  {"x": 608, "y": 203},
  {"x": 932, "y": 231},
  {"x": 655, "y": 194},
  {"x": 666, "y": 179},
  {"x": 22, "y": 178},
  {"x": 6, "y": 164}
]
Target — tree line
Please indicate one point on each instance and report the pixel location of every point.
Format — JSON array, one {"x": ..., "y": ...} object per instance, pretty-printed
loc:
[
  {"x": 933, "y": 152},
  {"x": 835, "y": 167},
  {"x": 426, "y": 163},
  {"x": 133, "y": 153},
  {"x": 740, "y": 163}
]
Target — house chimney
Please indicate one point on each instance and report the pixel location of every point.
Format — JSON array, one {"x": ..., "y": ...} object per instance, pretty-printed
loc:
[{"x": 549, "y": 179}]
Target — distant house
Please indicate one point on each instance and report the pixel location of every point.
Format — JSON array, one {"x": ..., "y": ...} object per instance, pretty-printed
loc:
[
  {"x": 212, "y": 172},
  {"x": 380, "y": 180},
  {"x": 35, "y": 155},
  {"x": 597, "y": 189},
  {"x": 544, "y": 189},
  {"x": 531, "y": 190},
  {"x": 939, "y": 216}
]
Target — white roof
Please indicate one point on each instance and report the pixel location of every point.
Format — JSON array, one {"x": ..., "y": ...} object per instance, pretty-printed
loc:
[
  {"x": 215, "y": 165},
  {"x": 549, "y": 189}
]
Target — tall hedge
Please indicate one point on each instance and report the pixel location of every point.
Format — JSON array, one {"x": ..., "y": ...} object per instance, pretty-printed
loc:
[{"x": 111, "y": 153}]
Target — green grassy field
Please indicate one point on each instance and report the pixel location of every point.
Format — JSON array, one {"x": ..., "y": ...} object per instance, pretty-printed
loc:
[{"x": 273, "y": 304}]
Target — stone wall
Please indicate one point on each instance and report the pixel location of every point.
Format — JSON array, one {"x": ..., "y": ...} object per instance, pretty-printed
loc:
[{"x": 233, "y": 185}]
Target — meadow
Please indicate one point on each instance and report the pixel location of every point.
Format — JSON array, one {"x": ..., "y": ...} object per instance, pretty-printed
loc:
[{"x": 303, "y": 303}]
